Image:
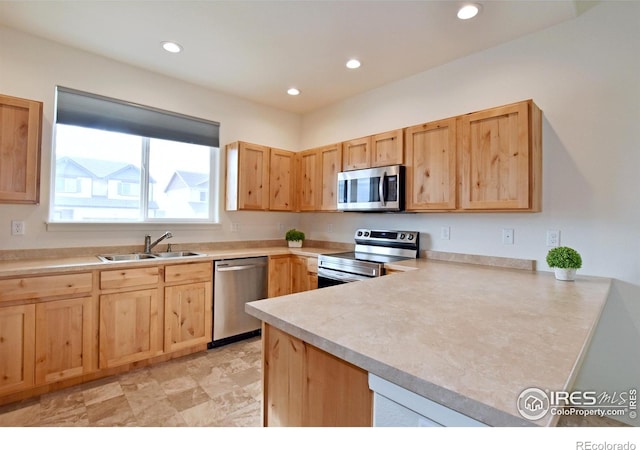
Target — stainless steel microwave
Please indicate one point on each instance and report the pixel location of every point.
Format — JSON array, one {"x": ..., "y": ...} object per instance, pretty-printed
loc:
[{"x": 375, "y": 189}]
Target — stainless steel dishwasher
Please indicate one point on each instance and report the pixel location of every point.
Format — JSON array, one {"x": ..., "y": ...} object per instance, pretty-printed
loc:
[{"x": 236, "y": 282}]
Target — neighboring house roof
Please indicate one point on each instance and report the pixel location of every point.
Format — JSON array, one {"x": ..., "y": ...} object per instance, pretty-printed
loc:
[
  {"x": 74, "y": 167},
  {"x": 181, "y": 179}
]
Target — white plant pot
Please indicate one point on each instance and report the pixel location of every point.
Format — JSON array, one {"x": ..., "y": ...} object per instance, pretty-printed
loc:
[
  {"x": 295, "y": 244},
  {"x": 565, "y": 274}
]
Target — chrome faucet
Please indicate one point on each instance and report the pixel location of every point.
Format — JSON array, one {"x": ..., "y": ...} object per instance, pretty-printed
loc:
[{"x": 148, "y": 245}]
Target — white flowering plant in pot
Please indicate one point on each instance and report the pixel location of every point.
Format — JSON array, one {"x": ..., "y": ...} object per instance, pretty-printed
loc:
[
  {"x": 294, "y": 237},
  {"x": 564, "y": 261}
]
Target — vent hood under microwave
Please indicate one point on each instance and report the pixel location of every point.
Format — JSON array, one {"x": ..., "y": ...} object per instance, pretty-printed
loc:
[{"x": 371, "y": 190}]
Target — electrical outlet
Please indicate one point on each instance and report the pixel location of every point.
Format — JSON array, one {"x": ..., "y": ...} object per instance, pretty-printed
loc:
[
  {"x": 235, "y": 227},
  {"x": 553, "y": 238},
  {"x": 507, "y": 236},
  {"x": 281, "y": 227},
  {"x": 445, "y": 233},
  {"x": 17, "y": 227},
  {"x": 330, "y": 228}
]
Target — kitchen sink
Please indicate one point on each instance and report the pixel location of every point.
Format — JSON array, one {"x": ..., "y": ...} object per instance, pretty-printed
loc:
[
  {"x": 176, "y": 254},
  {"x": 126, "y": 257},
  {"x": 140, "y": 256}
]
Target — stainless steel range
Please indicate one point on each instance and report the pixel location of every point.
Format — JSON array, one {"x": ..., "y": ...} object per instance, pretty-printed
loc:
[{"x": 373, "y": 249}]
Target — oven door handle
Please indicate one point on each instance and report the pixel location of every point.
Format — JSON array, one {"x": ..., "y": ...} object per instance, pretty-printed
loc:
[
  {"x": 344, "y": 277},
  {"x": 381, "y": 189}
]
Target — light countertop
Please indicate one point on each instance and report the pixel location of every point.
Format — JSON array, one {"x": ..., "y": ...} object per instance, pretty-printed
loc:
[
  {"x": 469, "y": 337},
  {"x": 63, "y": 264}
]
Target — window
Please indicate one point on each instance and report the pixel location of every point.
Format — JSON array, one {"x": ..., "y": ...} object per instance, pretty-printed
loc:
[{"x": 120, "y": 162}]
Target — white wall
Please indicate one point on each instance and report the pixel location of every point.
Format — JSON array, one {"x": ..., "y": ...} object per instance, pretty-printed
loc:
[
  {"x": 31, "y": 68},
  {"x": 584, "y": 75}
]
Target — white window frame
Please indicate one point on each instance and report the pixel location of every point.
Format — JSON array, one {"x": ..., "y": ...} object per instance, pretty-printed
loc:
[{"x": 215, "y": 185}]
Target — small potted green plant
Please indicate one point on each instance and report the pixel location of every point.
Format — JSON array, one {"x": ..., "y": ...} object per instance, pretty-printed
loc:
[
  {"x": 294, "y": 237},
  {"x": 564, "y": 261}
]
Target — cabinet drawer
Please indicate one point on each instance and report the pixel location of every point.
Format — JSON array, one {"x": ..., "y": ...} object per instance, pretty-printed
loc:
[
  {"x": 45, "y": 286},
  {"x": 188, "y": 272},
  {"x": 114, "y": 279}
]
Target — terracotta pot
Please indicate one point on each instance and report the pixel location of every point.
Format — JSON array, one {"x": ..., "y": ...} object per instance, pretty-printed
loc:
[{"x": 565, "y": 274}]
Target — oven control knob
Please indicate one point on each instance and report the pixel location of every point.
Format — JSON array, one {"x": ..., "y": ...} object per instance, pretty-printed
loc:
[
  {"x": 366, "y": 234},
  {"x": 402, "y": 235},
  {"x": 411, "y": 237},
  {"x": 359, "y": 233}
]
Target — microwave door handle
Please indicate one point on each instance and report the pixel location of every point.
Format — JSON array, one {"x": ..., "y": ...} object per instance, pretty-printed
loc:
[{"x": 381, "y": 189}]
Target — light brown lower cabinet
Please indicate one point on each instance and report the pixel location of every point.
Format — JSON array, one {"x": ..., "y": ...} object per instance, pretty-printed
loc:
[
  {"x": 304, "y": 386},
  {"x": 187, "y": 310},
  {"x": 129, "y": 327},
  {"x": 289, "y": 274},
  {"x": 17, "y": 347},
  {"x": 63, "y": 339}
]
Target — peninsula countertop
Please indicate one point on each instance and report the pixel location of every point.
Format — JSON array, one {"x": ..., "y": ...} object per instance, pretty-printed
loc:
[{"x": 469, "y": 337}]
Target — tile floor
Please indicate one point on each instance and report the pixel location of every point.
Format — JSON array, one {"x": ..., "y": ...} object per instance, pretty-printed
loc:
[
  {"x": 220, "y": 387},
  {"x": 217, "y": 388}
]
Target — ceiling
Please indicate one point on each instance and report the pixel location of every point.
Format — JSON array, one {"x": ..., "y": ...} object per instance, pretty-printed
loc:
[{"x": 258, "y": 49}]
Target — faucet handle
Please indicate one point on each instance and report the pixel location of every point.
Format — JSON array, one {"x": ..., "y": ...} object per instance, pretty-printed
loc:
[{"x": 168, "y": 247}]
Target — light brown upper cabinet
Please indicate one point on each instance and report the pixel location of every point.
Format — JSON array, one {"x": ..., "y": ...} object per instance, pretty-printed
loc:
[
  {"x": 309, "y": 180},
  {"x": 431, "y": 166},
  {"x": 281, "y": 180},
  {"x": 259, "y": 178},
  {"x": 501, "y": 158},
  {"x": 387, "y": 149},
  {"x": 356, "y": 154},
  {"x": 330, "y": 165},
  {"x": 20, "y": 140},
  {"x": 247, "y": 177},
  {"x": 317, "y": 181}
]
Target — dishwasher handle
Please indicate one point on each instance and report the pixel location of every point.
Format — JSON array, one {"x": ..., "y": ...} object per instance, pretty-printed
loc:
[{"x": 225, "y": 268}]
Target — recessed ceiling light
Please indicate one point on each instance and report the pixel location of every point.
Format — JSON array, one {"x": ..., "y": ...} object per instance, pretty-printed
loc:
[
  {"x": 172, "y": 47},
  {"x": 468, "y": 11},
  {"x": 353, "y": 64},
  {"x": 293, "y": 91}
]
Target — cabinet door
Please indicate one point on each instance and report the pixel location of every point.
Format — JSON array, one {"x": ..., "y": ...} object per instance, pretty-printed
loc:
[
  {"x": 283, "y": 381},
  {"x": 17, "y": 348},
  {"x": 356, "y": 154},
  {"x": 305, "y": 386},
  {"x": 387, "y": 149},
  {"x": 63, "y": 339},
  {"x": 299, "y": 274},
  {"x": 279, "y": 275},
  {"x": 187, "y": 315},
  {"x": 500, "y": 158},
  {"x": 247, "y": 177},
  {"x": 330, "y": 164},
  {"x": 431, "y": 166},
  {"x": 281, "y": 178},
  {"x": 129, "y": 327},
  {"x": 309, "y": 180},
  {"x": 20, "y": 138}
]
